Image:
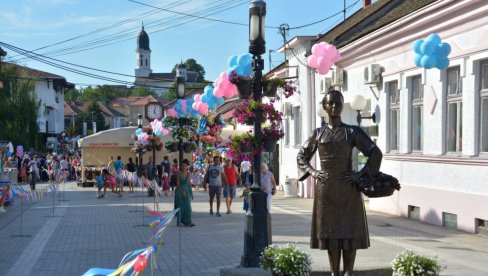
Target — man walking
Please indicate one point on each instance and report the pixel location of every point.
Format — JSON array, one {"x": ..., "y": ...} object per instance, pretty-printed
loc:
[
  {"x": 231, "y": 173},
  {"x": 245, "y": 169},
  {"x": 215, "y": 176}
]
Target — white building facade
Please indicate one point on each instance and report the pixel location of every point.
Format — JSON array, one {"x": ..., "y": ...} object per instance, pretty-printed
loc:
[{"x": 431, "y": 125}]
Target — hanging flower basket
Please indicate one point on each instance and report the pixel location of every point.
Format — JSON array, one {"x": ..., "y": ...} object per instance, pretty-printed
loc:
[
  {"x": 249, "y": 121},
  {"x": 189, "y": 147},
  {"x": 245, "y": 147},
  {"x": 270, "y": 89},
  {"x": 244, "y": 88},
  {"x": 270, "y": 145},
  {"x": 172, "y": 147}
]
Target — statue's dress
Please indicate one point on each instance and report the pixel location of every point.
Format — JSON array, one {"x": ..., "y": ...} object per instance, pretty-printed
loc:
[{"x": 339, "y": 218}]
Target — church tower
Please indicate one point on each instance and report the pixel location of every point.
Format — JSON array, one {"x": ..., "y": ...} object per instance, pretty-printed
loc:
[{"x": 143, "y": 58}]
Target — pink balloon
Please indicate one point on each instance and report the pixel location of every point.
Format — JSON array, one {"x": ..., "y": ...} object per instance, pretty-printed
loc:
[
  {"x": 312, "y": 61},
  {"x": 223, "y": 75},
  {"x": 183, "y": 106},
  {"x": 323, "y": 62},
  {"x": 196, "y": 105},
  {"x": 314, "y": 48},
  {"x": 217, "y": 92},
  {"x": 198, "y": 97},
  {"x": 320, "y": 49},
  {"x": 203, "y": 109},
  {"x": 330, "y": 51},
  {"x": 171, "y": 112},
  {"x": 323, "y": 70},
  {"x": 337, "y": 57},
  {"x": 164, "y": 131}
]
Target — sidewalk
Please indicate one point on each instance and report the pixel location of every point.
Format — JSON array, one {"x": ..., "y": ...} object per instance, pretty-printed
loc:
[{"x": 88, "y": 232}]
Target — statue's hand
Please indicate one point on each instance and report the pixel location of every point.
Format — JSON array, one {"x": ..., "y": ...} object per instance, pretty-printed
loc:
[
  {"x": 352, "y": 177},
  {"x": 321, "y": 176}
]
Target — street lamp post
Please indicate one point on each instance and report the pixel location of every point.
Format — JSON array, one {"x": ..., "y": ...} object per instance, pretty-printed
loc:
[
  {"x": 257, "y": 233},
  {"x": 180, "y": 94}
]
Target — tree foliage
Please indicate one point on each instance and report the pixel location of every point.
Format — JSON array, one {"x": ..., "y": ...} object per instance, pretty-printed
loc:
[
  {"x": 18, "y": 109},
  {"x": 193, "y": 65},
  {"x": 106, "y": 93}
]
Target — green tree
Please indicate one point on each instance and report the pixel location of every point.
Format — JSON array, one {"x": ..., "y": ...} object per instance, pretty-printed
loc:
[
  {"x": 72, "y": 94},
  {"x": 104, "y": 93},
  {"x": 142, "y": 92},
  {"x": 193, "y": 65},
  {"x": 18, "y": 108}
]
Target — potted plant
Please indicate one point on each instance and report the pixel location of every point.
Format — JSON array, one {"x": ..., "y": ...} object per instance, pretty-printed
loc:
[
  {"x": 286, "y": 260},
  {"x": 245, "y": 112},
  {"x": 189, "y": 147},
  {"x": 410, "y": 263},
  {"x": 243, "y": 142},
  {"x": 289, "y": 88},
  {"x": 271, "y": 135},
  {"x": 171, "y": 146},
  {"x": 243, "y": 83}
]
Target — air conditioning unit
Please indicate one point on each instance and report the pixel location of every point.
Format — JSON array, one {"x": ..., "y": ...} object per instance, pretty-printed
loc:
[
  {"x": 325, "y": 83},
  {"x": 337, "y": 77},
  {"x": 372, "y": 74},
  {"x": 288, "y": 109}
]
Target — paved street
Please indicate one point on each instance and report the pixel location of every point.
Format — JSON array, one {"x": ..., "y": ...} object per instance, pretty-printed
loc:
[{"x": 88, "y": 232}]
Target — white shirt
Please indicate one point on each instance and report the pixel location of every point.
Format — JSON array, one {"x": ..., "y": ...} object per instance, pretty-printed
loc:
[{"x": 245, "y": 166}]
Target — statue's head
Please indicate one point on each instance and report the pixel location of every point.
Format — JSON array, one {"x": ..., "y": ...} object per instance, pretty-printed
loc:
[{"x": 333, "y": 102}]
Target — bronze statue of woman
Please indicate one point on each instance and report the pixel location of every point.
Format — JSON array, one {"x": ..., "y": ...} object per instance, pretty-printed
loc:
[{"x": 339, "y": 222}]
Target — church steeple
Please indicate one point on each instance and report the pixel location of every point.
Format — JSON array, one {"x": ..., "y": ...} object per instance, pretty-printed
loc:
[{"x": 143, "y": 55}]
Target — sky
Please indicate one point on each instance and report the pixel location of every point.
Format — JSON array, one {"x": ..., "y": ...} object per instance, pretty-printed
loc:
[{"x": 102, "y": 34}]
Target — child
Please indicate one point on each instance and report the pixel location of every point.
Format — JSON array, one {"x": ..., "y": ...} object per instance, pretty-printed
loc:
[
  {"x": 245, "y": 193},
  {"x": 165, "y": 180},
  {"x": 100, "y": 183},
  {"x": 110, "y": 181},
  {"x": 195, "y": 178}
]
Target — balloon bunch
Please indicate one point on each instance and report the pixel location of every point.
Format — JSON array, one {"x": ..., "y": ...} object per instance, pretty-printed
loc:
[
  {"x": 241, "y": 65},
  {"x": 210, "y": 128},
  {"x": 223, "y": 87},
  {"x": 324, "y": 55},
  {"x": 145, "y": 135},
  {"x": 431, "y": 52},
  {"x": 184, "y": 108}
]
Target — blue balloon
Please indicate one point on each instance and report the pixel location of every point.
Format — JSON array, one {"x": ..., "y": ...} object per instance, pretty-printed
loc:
[
  {"x": 139, "y": 131},
  {"x": 443, "y": 49},
  {"x": 207, "y": 88},
  {"x": 428, "y": 47},
  {"x": 244, "y": 60},
  {"x": 220, "y": 101},
  {"x": 158, "y": 132},
  {"x": 247, "y": 71},
  {"x": 177, "y": 108},
  {"x": 435, "y": 38},
  {"x": 416, "y": 46},
  {"x": 417, "y": 60},
  {"x": 240, "y": 70},
  {"x": 428, "y": 61},
  {"x": 442, "y": 63},
  {"x": 232, "y": 61}
]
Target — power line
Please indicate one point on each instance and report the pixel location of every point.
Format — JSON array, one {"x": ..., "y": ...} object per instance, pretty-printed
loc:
[{"x": 95, "y": 43}]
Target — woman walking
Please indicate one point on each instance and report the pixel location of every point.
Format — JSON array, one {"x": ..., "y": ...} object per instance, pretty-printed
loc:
[{"x": 183, "y": 195}]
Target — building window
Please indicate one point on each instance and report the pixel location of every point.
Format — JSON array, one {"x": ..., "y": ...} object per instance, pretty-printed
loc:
[
  {"x": 394, "y": 101},
  {"x": 287, "y": 132},
  {"x": 146, "y": 61},
  {"x": 484, "y": 107},
  {"x": 297, "y": 125},
  {"x": 454, "y": 110},
  {"x": 417, "y": 106}
]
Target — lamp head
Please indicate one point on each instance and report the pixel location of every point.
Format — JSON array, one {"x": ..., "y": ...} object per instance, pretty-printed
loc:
[
  {"x": 358, "y": 102},
  {"x": 257, "y": 15}
]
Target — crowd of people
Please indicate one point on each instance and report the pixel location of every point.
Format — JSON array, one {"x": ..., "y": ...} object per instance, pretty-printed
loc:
[{"x": 218, "y": 177}]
